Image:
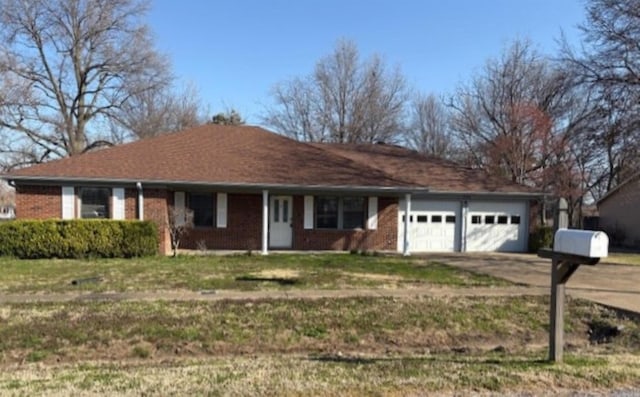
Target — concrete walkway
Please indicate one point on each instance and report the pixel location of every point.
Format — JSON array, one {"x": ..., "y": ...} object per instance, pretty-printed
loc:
[{"x": 612, "y": 285}]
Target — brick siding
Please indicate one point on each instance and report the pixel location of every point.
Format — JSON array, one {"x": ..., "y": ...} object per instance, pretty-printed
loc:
[
  {"x": 243, "y": 231},
  {"x": 38, "y": 202},
  {"x": 244, "y": 221},
  {"x": 385, "y": 238}
]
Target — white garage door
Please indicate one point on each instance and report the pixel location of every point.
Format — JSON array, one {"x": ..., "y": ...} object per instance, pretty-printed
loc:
[
  {"x": 497, "y": 226},
  {"x": 434, "y": 226}
]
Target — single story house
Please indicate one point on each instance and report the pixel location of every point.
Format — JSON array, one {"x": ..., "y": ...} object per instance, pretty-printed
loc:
[
  {"x": 252, "y": 189},
  {"x": 619, "y": 215}
]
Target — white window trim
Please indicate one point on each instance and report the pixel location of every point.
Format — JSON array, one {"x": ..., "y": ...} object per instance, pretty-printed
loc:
[
  {"x": 118, "y": 203},
  {"x": 68, "y": 202},
  {"x": 221, "y": 210},
  {"x": 372, "y": 212}
]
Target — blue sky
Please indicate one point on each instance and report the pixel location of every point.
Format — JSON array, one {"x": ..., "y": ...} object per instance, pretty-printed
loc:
[{"x": 234, "y": 51}]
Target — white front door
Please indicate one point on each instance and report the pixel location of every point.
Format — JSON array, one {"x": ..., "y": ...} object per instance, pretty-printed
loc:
[{"x": 280, "y": 223}]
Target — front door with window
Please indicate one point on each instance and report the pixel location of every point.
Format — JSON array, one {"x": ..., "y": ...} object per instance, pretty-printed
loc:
[{"x": 280, "y": 223}]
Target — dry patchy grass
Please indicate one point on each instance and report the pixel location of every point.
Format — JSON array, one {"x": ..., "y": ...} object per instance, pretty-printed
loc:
[
  {"x": 300, "y": 375},
  {"x": 349, "y": 346}
]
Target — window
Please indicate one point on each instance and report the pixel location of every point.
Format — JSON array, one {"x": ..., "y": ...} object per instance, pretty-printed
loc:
[
  {"x": 489, "y": 219},
  {"x": 410, "y": 218},
  {"x": 476, "y": 219},
  {"x": 423, "y": 218},
  {"x": 436, "y": 218},
  {"x": 202, "y": 206},
  {"x": 276, "y": 210},
  {"x": 515, "y": 219},
  {"x": 352, "y": 212},
  {"x": 450, "y": 219},
  {"x": 340, "y": 212},
  {"x": 94, "y": 202},
  {"x": 327, "y": 212},
  {"x": 503, "y": 219}
]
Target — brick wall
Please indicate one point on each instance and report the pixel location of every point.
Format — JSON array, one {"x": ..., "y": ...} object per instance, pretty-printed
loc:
[
  {"x": 385, "y": 238},
  {"x": 243, "y": 231},
  {"x": 155, "y": 209},
  {"x": 131, "y": 203},
  {"x": 244, "y": 221},
  {"x": 38, "y": 202}
]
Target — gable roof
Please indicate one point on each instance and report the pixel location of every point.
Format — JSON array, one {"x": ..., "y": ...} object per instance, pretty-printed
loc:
[
  {"x": 254, "y": 157},
  {"x": 613, "y": 192},
  {"x": 439, "y": 174}
]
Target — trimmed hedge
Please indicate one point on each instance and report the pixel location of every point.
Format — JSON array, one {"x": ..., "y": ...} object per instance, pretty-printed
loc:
[
  {"x": 33, "y": 239},
  {"x": 542, "y": 237}
]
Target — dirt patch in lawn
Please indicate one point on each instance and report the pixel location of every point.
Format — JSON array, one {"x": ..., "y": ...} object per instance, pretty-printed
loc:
[{"x": 278, "y": 274}]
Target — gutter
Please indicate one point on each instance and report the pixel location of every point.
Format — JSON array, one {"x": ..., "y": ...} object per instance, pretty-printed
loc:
[{"x": 226, "y": 185}]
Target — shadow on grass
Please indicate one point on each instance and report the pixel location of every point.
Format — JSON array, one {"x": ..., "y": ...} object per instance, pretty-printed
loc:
[
  {"x": 526, "y": 362},
  {"x": 277, "y": 280}
]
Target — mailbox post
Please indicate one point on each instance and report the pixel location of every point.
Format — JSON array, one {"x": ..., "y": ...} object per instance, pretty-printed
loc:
[{"x": 572, "y": 248}]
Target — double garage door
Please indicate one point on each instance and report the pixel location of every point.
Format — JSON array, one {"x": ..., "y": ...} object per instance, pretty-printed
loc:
[{"x": 447, "y": 226}]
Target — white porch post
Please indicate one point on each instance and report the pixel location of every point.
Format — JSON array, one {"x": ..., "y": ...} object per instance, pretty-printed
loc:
[
  {"x": 140, "y": 201},
  {"x": 407, "y": 220},
  {"x": 265, "y": 222}
]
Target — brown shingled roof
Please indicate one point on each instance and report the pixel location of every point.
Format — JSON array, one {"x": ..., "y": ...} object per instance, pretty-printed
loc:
[
  {"x": 214, "y": 154},
  {"x": 252, "y": 156},
  {"x": 438, "y": 174}
]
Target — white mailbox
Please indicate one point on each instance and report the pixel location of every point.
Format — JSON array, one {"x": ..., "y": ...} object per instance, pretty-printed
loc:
[{"x": 585, "y": 243}]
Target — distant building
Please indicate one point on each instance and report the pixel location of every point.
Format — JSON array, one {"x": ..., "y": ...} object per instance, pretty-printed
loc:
[{"x": 7, "y": 212}]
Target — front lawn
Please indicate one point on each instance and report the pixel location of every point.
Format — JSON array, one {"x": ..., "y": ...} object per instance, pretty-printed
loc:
[
  {"x": 237, "y": 272},
  {"x": 348, "y": 346}
]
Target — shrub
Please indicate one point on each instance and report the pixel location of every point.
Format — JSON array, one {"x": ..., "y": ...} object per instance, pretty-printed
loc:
[
  {"x": 542, "y": 237},
  {"x": 31, "y": 239}
]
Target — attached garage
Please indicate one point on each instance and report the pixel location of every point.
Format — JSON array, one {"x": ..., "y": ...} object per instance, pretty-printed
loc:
[
  {"x": 434, "y": 225},
  {"x": 464, "y": 225},
  {"x": 497, "y": 226}
]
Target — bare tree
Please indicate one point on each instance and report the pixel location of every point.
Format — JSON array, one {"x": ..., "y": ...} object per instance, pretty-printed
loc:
[
  {"x": 343, "y": 100},
  {"x": 179, "y": 222},
  {"x": 517, "y": 117},
  {"x": 70, "y": 66},
  {"x": 608, "y": 66},
  {"x": 428, "y": 130},
  {"x": 7, "y": 194},
  {"x": 153, "y": 112}
]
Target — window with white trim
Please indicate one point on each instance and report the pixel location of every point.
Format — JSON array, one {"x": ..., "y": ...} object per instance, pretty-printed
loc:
[
  {"x": 94, "y": 202},
  {"x": 333, "y": 212},
  {"x": 203, "y": 207}
]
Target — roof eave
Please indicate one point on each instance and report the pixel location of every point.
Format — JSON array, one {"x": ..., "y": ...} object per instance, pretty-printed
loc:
[
  {"x": 227, "y": 185},
  {"x": 522, "y": 195}
]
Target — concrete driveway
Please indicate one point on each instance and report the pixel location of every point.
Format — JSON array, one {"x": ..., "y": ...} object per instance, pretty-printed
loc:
[{"x": 612, "y": 285}]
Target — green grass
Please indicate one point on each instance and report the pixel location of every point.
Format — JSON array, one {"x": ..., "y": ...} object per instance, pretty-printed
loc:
[
  {"x": 350, "y": 346},
  {"x": 238, "y": 272},
  {"x": 623, "y": 259},
  {"x": 99, "y": 330}
]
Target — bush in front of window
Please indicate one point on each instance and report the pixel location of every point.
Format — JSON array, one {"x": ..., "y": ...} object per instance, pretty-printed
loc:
[{"x": 34, "y": 239}]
